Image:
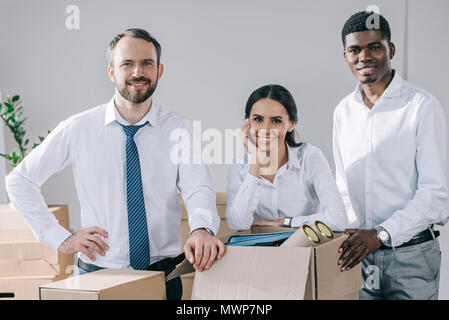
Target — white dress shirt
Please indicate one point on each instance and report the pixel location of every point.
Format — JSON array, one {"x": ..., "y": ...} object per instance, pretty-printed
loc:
[
  {"x": 391, "y": 160},
  {"x": 303, "y": 188},
  {"x": 93, "y": 143}
]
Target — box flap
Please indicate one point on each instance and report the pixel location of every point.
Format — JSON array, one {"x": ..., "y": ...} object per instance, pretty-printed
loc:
[
  {"x": 183, "y": 268},
  {"x": 332, "y": 283},
  {"x": 12, "y": 268},
  {"x": 240, "y": 275}
]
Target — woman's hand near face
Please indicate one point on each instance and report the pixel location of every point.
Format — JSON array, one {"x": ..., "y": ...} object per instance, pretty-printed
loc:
[
  {"x": 248, "y": 136},
  {"x": 249, "y": 141},
  {"x": 260, "y": 160}
]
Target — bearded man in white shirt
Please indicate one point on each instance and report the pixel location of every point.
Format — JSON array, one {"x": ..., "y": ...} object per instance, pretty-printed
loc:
[
  {"x": 390, "y": 154},
  {"x": 126, "y": 183}
]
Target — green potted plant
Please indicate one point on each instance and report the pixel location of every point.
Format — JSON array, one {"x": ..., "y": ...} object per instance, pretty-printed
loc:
[{"x": 11, "y": 112}]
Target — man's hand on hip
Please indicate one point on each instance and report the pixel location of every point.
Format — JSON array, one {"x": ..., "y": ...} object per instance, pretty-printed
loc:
[
  {"x": 84, "y": 239},
  {"x": 202, "y": 248},
  {"x": 359, "y": 245}
]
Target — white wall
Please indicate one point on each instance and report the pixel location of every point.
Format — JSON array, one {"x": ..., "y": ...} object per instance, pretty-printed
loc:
[
  {"x": 215, "y": 53},
  {"x": 3, "y": 195},
  {"x": 428, "y": 66}
]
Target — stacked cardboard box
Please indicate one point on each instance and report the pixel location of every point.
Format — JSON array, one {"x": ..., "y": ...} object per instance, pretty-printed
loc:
[
  {"x": 187, "y": 279},
  {"x": 25, "y": 262}
]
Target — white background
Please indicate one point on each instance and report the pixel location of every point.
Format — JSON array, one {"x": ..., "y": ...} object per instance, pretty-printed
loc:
[{"x": 215, "y": 54}]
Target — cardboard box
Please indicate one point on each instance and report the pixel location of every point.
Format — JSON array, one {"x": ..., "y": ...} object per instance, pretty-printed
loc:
[
  {"x": 187, "y": 279},
  {"x": 108, "y": 284},
  {"x": 35, "y": 250},
  {"x": 275, "y": 273},
  {"x": 187, "y": 285},
  {"x": 13, "y": 225},
  {"x": 22, "y": 288},
  {"x": 21, "y": 279},
  {"x": 25, "y": 262},
  {"x": 14, "y": 268}
]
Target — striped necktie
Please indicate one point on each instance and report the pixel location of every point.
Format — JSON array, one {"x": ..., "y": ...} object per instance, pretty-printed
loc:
[{"x": 139, "y": 245}]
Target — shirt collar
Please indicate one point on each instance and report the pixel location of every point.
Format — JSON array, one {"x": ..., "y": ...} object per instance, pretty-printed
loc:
[
  {"x": 393, "y": 89},
  {"x": 112, "y": 114},
  {"x": 294, "y": 156}
]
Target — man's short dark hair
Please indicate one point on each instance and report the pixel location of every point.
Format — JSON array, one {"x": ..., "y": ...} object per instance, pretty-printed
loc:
[
  {"x": 135, "y": 33},
  {"x": 363, "y": 21}
]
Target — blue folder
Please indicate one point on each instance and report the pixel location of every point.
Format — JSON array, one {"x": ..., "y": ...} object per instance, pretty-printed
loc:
[{"x": 264, "y": 239}]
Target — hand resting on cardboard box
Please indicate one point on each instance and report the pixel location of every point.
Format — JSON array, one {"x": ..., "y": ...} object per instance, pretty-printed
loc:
[
  {"x": 357, "y": 247},
  {"x": 201, "y": 249}
]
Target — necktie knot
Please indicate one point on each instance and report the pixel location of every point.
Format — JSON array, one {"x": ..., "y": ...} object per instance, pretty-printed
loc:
[{"x": 130, "y": 131}]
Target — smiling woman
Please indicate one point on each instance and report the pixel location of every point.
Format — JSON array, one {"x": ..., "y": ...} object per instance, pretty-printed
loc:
[{"x": 282, "y": 182}]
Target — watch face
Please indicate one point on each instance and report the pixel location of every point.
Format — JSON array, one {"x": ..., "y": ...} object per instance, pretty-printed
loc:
[{"x": 383, "y": 236}]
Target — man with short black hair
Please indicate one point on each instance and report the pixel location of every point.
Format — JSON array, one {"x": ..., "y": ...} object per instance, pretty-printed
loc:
[
  {"x": 389, "y": 142},
  {"x": 126, "y": 182}
]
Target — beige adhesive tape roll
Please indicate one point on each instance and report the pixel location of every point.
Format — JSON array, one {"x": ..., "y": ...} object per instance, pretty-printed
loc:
[{"x": 305, "y": 236}]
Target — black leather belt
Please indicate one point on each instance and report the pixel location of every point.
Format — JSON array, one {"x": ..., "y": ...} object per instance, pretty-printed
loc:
[
  {"x": 421, "y": 237},
  {"x": 166, "y": 263},
  {"x": 161, "y": 265},
  {"x": 88, "y": 267}
]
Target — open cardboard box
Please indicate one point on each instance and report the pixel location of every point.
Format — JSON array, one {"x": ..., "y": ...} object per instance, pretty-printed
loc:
[
  {"x": 108, "y": 284},
  {"x": 187, "y": 279},
  {"x": 276, "y": 273}
]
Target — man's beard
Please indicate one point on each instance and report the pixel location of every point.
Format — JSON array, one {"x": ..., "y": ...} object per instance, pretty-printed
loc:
[
  {"x": 140, "y": 96},
  {"x": 368, "y": 81}
]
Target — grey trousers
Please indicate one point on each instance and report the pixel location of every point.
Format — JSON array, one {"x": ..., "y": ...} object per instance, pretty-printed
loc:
[{"x": 403, "y": 273}]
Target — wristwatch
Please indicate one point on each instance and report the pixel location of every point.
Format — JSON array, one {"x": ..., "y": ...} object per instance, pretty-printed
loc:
[
  {"x": 288, "y": 222},
  {"x": 382, "y": 235},
  {"x": 204, "y": 228}
]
